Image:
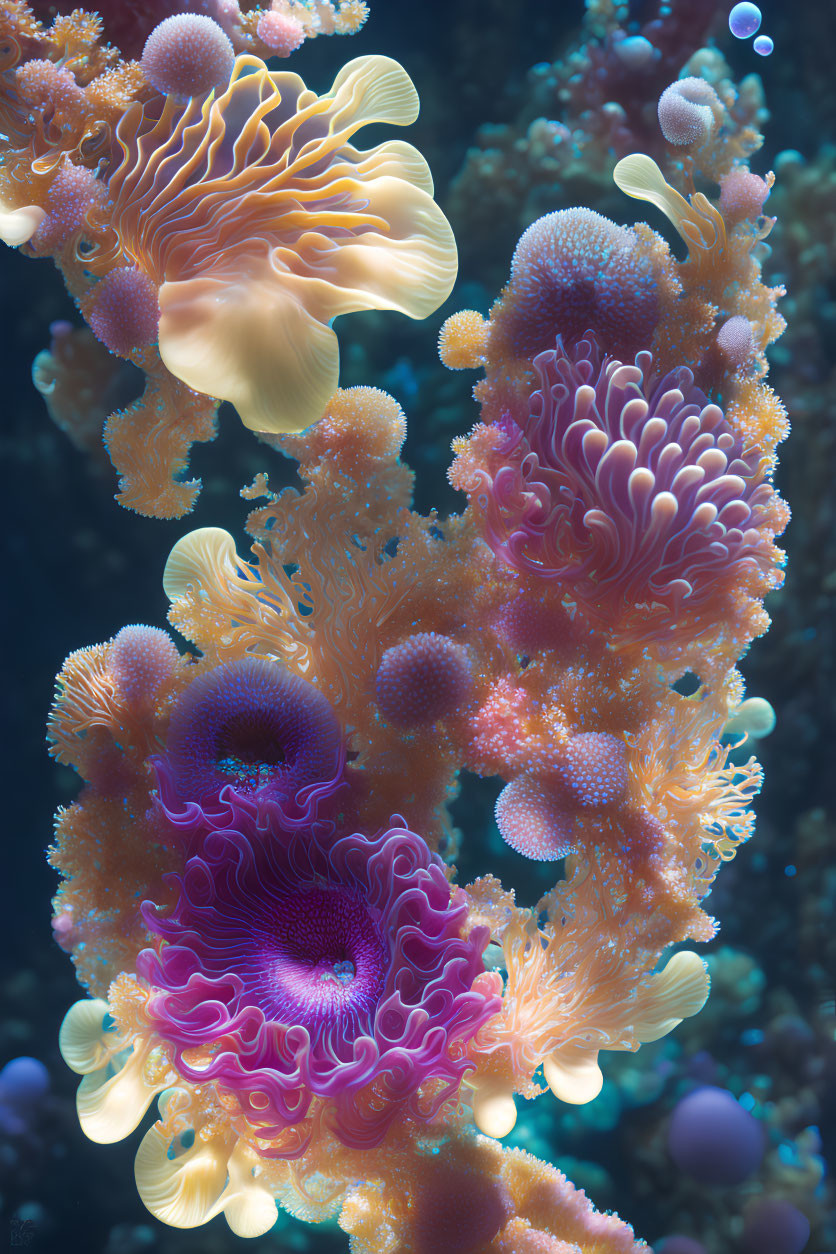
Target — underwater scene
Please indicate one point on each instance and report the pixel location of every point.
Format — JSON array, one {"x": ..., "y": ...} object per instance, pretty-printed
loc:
[{"x": 418, "y": 447}]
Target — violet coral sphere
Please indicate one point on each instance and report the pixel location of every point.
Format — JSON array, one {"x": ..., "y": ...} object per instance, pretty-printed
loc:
[
  {"x": 422, "y": 679},
  {"x": 573, "y": 270},
  {"x": 187, "y": 55},
  {"x": 713, "y": 1139},
  {"x": 332, "y": 970},
  {"x": 253, "y": 725},
  {"x": 125, "y": 313}
]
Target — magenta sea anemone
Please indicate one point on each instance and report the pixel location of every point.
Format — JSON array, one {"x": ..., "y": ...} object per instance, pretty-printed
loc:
[
  {"x": 632, "y": 490},
  {"x": 253, "y": 725},
  {"x": 325, "y": 975}
]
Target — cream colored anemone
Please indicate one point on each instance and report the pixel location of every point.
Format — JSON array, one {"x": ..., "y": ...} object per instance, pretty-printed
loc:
[{"x": 261, "y": 224}]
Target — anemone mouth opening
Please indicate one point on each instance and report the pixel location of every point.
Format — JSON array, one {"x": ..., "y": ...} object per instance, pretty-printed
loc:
[
  {"x": 322, "y": 962},
  {"x": 246, "y": 744}
]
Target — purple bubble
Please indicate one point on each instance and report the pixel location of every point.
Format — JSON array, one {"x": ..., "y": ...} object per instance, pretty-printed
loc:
[
  {"x": 744, "y": 20},
  {"x": 677, "y": 1244},
  {"x": 714, "y": 1139},
  {"x": 763, "y": 46},
  {"x": 774, "y": 1226},
  {"x": 23, "y": 1082}
]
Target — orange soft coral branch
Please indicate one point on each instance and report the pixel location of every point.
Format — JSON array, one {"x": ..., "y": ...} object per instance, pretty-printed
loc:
[{"x": 149, "y": 443}]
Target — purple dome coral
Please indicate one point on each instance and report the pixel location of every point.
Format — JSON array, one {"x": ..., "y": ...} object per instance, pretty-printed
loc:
[
  {"x": 572, "y": 270},
  {"x": 332, "y": 971},
  {"x": 633, "y": 490},
  {"x": 253, "y": 725}
]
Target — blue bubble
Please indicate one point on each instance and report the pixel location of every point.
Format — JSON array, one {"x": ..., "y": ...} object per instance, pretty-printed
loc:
[
  {"x": 744, "y": 20},
  {"x": 763, "y": 45}
]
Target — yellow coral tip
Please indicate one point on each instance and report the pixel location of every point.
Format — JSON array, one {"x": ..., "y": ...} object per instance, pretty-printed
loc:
[
  {"x": 82, "y": 1038},
  {"x": 463, "y": 340},
  {"x": 573, "y": 1075},
  {"x": 193, "y": 556},
  {"x": 494, "y": 1110},
  {"x": 17, "y": 226}
]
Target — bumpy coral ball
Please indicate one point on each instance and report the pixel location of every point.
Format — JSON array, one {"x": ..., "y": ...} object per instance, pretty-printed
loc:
[
  {"x": 74, "y": 191},
  {"x": 187, "y": 55},
  {"x": 252, "y": 725},
  {"x": 533, "y": 822},
  {"x": 125, "y": 314},
  {"x": 742, "y": 195},
  {"x": 686, "y": 111},
  {"x": 281, "y": 34},
  {"x": 736, "y": 342},
  {"x": 425, "y": 678},
  {"x": 714, "y": 1139},
  {"x": 140, "y": 660},
  {"x": 575, "y": 271},
  {"x": 594, "y": 769}
]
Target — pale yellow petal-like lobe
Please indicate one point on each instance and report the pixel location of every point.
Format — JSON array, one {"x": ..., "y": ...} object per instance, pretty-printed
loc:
[
  {"x": 249, "y": 1207},
  {"x": 494, "y": 1109},
  {"x": 395, "y": 158},
  {"x": 373, "y": 89},
  {"x": 674, "y": 994},
  {"x": 573, "y": 1074},
  {"x": 17, "y": 226},
  {"x": 83, "y": 1043},
  {"x": 640, "y": 177},
  {"x": 110, "y": 1106},
  {"x": 193, "y": 556},
  {"x": 246, "y": 340},
  {"x": 181, "y": 1191},
  {"x": 411, "y": 267}
]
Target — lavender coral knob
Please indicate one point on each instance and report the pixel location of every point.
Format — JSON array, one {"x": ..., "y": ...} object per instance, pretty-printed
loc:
[
  {"x": 533, "y": 821},
  {"x": 714, "y": 1139},
  {"x": 687, "y": 111},
  {"x": 187, "y": 55},
  {"x": 253, "y": 725},
  {"x": 140, "y": 660},
  {"x": 573, "y": 271},
  {"x": 422, "y": 679},
  {"x": 125, "y": 312}
]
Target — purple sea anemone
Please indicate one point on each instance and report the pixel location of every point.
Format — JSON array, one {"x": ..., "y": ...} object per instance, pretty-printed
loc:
[
  {"x": 632, "y": 490},
  {"x": 255, "y": 726},
  {"x": 327, "y": 975}
]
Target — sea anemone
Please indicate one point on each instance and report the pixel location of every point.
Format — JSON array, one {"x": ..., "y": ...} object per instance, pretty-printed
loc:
[
  {"x": 632, "y": 490},
  {"x": 255, "y": 726},
  {"x": 260, "y": 223},
  {"x": 316, "y": 969}
]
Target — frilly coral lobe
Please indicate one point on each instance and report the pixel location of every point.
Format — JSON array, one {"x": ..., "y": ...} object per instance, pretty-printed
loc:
[
  {"x": 316, "y": 968},
  {"x": 261, "y": 223}
]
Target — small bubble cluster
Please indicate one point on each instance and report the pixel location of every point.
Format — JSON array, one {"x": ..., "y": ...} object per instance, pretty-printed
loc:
[{"x": 745, "y": 21}]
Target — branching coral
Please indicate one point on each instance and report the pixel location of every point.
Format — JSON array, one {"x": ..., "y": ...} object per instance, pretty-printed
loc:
[{"x": 259, "y": 875}]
